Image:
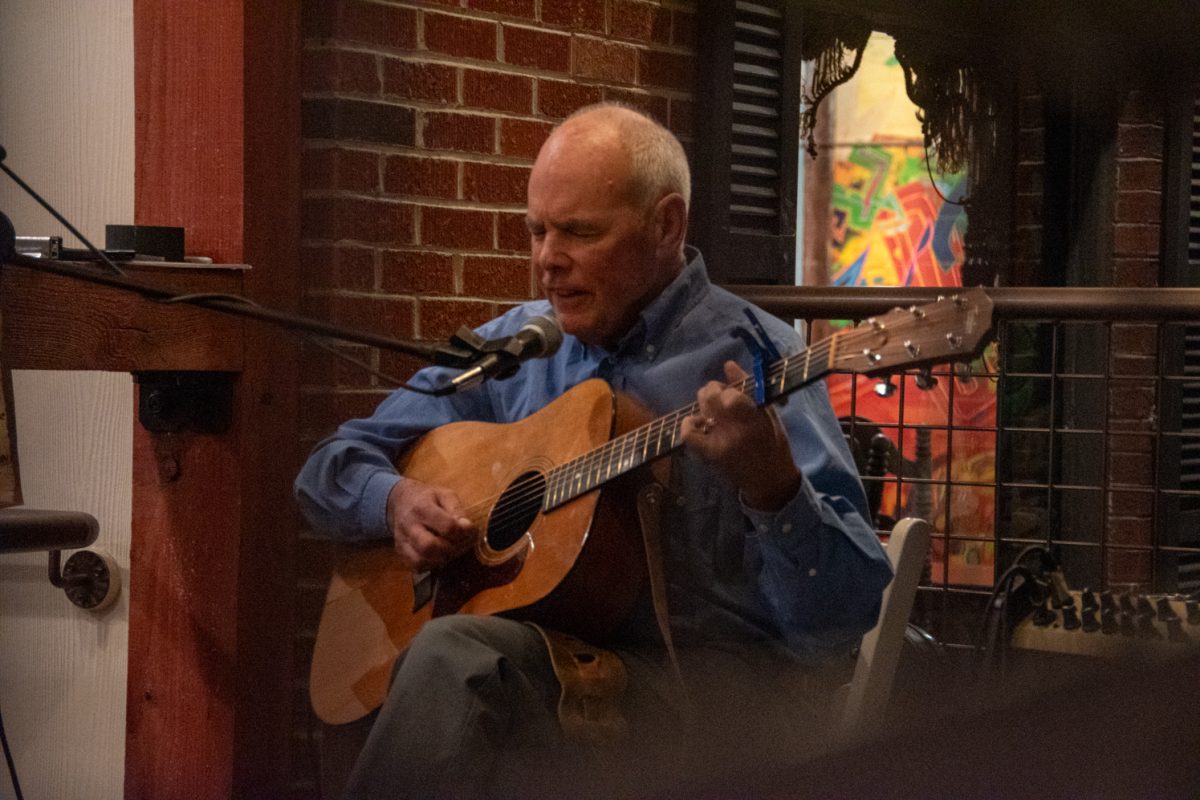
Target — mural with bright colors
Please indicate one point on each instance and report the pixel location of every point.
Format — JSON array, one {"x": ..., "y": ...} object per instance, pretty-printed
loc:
[{"x": 891, "y": 226}]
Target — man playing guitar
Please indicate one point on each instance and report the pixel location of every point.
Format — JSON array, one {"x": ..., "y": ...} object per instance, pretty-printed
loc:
[{"x": 771, "y": 567}]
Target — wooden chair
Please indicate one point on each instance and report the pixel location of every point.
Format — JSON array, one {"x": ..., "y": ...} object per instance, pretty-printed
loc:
[{"x": 866, "y": 696}]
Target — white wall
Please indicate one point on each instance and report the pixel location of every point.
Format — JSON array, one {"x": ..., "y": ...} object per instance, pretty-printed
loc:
[{"x": 66, "y": 120}]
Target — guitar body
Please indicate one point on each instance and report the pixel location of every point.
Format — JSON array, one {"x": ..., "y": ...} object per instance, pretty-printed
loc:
[{"x": 576, "y": 568}]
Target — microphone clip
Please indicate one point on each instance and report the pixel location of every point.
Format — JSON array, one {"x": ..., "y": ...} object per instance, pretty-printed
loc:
[{"x": 501, "y": 356}]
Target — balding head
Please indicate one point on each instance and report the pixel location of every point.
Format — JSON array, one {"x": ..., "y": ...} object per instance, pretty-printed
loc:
[
  {"x": 607, "y": 217},
  {"x": 656, "y": 161}
]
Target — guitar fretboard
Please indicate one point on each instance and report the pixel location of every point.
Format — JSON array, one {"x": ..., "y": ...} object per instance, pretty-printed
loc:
[{"x": 659, "y": 437}]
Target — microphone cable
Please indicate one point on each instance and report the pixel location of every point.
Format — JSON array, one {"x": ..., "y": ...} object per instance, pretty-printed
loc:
[{"x": 12, "y": 767}]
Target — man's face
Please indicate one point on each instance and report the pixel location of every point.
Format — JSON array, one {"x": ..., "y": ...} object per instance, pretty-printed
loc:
[{"x": 592, "y": 246}]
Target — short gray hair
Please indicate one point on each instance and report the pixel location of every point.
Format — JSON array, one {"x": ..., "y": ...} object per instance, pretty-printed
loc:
[{"x": 658, "y": 164}]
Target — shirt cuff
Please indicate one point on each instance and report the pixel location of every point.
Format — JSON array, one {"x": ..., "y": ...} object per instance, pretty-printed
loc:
[
  {"x": 784, "y": 528},
  {"x": 373, "y": 505}
]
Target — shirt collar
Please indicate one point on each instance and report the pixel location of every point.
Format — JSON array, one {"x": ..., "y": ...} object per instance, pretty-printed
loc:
[{"x": 663, "y": 313}]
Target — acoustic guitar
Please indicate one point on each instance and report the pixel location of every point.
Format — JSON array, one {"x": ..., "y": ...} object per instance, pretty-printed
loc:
[{"x": 553, "y": 548}]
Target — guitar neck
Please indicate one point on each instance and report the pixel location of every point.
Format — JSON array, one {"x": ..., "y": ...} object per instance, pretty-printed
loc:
[
  {"x": 661, "y": 436},
  {"x": 952, "y": 327}
]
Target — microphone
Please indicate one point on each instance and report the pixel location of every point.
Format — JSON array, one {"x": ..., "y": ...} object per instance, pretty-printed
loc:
[{"x": 539, "y": 337}]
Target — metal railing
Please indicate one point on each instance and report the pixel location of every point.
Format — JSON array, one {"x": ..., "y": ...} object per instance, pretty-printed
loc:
[{"x": 1077, "y": 430}]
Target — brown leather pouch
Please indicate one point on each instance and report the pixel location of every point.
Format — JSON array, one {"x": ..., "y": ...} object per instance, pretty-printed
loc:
[{"x": 593, "y": 682}]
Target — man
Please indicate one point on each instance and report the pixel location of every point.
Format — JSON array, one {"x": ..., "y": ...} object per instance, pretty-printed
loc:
[{"x": 771, "y": 565}]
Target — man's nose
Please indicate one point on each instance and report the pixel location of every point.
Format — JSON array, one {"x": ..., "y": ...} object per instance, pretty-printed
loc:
[{"x": 550, "y": 253}]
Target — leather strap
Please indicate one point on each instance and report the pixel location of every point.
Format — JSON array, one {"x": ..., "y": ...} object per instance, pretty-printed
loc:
[
  {"x": 650, "y": 511},
  {"x": 593, "y": 681}
]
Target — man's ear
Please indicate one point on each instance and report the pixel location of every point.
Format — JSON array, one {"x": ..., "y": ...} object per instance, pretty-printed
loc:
[{"x": 670, "y": 226}]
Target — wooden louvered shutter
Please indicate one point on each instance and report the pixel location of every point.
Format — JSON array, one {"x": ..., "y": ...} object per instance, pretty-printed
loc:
[
  {"x": 747, "y": 140},
  {"x": 1180, "y": 522}
]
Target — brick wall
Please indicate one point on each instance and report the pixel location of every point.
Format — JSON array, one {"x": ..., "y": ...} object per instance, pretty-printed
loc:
[
  {"x": 1137, "y": 184},
  {"x": 421, "y": 121}
]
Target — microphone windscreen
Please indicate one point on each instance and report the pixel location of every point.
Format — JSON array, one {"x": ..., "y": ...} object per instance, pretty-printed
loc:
[{"x": 548, "y": 333}]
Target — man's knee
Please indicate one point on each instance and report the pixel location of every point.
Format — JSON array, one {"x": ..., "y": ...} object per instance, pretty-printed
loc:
[{"x": 465, "y": 646}]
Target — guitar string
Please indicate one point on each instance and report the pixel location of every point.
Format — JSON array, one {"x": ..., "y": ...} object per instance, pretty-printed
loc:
[{"x": 523, "y": 499}]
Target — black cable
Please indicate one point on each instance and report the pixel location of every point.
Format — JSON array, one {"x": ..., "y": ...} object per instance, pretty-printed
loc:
[
  {"x": 29, "y": 191},
  {"x": 12, "y": 767}
]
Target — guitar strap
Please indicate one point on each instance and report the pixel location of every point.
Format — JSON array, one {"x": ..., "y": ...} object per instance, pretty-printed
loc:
[
  {"x": 592, "y": 679},
  {"x": 650, "y": 502}
]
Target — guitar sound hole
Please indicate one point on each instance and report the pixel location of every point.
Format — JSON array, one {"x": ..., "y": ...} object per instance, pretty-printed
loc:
[{"x": 516, "y": 510}]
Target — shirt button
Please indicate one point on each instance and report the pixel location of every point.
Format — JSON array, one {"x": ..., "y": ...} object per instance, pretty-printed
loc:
[
  {"x": 649, "y": 349},
  {"x": 787, "y": 527},
  {"x": 812, "y": 573},
  {"x": 762, "y": 528}
]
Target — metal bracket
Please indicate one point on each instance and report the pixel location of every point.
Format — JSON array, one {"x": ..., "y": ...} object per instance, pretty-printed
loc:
[
  {"x": 169, "y": 402},
  {"x": 91, "y": 580}
]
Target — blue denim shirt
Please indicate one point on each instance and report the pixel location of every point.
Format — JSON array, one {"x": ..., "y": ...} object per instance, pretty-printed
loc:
[{"x": 807, "y": 578}]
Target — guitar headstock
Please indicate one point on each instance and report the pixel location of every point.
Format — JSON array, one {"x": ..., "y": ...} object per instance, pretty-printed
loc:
[{"x": 951, "y": 329}]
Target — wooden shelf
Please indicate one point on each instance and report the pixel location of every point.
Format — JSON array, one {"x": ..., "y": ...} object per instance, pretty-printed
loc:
[{"x": 54, "y": 322}]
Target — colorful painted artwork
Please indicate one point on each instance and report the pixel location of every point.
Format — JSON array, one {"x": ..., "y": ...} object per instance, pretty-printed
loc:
[{"x": 895, "y": 222}]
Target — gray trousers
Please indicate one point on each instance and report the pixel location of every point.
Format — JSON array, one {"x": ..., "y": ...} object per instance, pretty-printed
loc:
[{"x": 471, "y": 712}]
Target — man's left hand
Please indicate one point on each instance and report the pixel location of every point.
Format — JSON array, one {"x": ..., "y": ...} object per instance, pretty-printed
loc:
[{"x": 745, "y": 442}]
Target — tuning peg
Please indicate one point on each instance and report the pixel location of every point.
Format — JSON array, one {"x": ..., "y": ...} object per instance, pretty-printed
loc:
[
  {"x": 925, "y": 380},
  {"x": 963, "y": 371},
  {"x": 885, "y": 387}
]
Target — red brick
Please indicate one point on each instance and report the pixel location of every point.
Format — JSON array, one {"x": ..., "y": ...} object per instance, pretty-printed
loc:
[
  {"x": 460, "y": 228},
  {"x": 463, "y": 132},
  {"x": 497, "y": 91},
  {"x": 559, "y": 98},
  {"x": 319, "y": 367},
  {"x": 330, "y": 168},
  {"x": 1130, "y": 504},
  {"x": 494, "y": 183},
  {"x": 460, "y": 36},
  {"x": 389, "y": 316},
  {"x": 497, "y": 276},
  {"x": 416, "y": 272},
  {"x": 1134, "y": 339},
  {"x": 654, "y": 105},
  {"x": 1129, "y": 531},
  {"x": 683, "y": 29},
  {"x": 1130, "y": 404},
  {"x": 441, "y": 318},
  {"x": 576, "y": 15},
  {"x": 1133, "y": 240},
  {"x": 399, "y": 366},
  {"x": 340, "y": 71},
  {"x": 1131, "y": 366},
  {"x": 1143, "y": 206},
  {"x": 1127, "y": 566},
  {"x": 1139, "y": 141},
  {"x": 408, "y": 80},
  {"x": 328, "y": 266},
  {"x": 527, "y": 47},
  {"x": 377, "y": 23},
  {"x": 354, "y": 218},
  {"x": 1135, "y": 272},
  {"x": 641, "y": 21},
  {"x": 421, "y": 176},
  {"x": 510, "y": 8},
  {"x": 355, "y": 170},
  {"x": 512, "y": 233},
  {"x": 669, "y": 70},
  {"x": 1139, "y": 175},
  {"x": 523, "y": 138},
  {"x": 603, "y": 60}
]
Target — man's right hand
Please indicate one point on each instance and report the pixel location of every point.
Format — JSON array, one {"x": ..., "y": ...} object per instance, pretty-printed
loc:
[{"x": 428, "y": 523}]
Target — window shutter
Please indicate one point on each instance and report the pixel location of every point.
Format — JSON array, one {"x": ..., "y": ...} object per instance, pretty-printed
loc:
[{"x": 747, "y": 141}]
